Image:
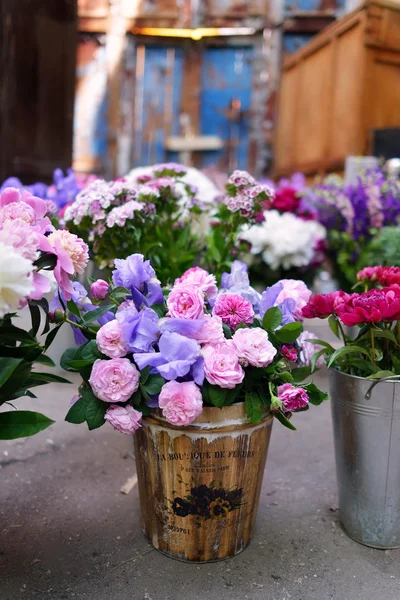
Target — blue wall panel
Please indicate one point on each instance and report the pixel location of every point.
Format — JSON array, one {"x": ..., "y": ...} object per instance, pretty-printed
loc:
[
  {"x": 291, "y": 6},
  {"x": 295, "y": 41},
  {"x": 227, "y": 75}
]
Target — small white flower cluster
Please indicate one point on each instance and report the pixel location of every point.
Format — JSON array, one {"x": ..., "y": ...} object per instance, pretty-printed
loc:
[
  {"x": 246, "y": 193},
  {"x": 284, "y": 240},
  {"x": 92, "y": 202},
  {"x": 120, "y": 214}
]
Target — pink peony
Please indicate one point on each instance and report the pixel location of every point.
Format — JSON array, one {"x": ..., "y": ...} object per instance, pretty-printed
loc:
[
  {"x": 211, "y": 332},
  {"x": 124, "y": 418},
  {"x": 72, "y": 257},
  {"x": 308, "y": 349},
  {"x": 293, "y": 288},
  {"x": 185, "y": 302},
  {"x": 201, "y": 279},
  {"x": 234, "y": 310},
  {"x": 99, "y": 289},
  {"x": 16, "y": 205},
  {"x": 181, "y": 403},
  {"x": 253, "y": 347},
  {"x": 19, "y": 233},
  {"x": 109, "y": 340},
  {"x": 221, "y": 365},
  {"x": 114, "y": 380},
  {"x": 289, "y": 352},
  {"x": 292, "y": 398}
]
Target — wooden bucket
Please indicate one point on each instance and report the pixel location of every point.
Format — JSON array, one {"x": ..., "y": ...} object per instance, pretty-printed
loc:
[{"x": 199, "y": 486}]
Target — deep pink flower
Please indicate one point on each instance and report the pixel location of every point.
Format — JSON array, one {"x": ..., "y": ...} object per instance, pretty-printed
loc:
[
  {"x": 370, "y": 307},
  {"x": 286, "y": 200},
  {"x": 185, "y": 302},
  {"x": 199, "y": 278},
  {"x": 388, "y": 275},
  {"x": 99, "y": 289},
  {"x": 124, "y": 418},
  {"x": 114, "y": 380},
  {"x": 234, "y": 310},
  {"x": 292, "y": 398},
  {"x": 322, "y": 306},
  {"x": 181, "y": 403},
  {"x": 221, "y": 365},
  {"x": 368, "y": 273},
  {"x": 289, "y": 352}
]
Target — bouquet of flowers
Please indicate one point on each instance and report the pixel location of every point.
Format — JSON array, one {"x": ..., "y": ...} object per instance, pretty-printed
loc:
[
  {"x": 372, "y": 353},
  {"x": 353, "y": 216},
  {"x": 31, "y": 250},
  {"x": 289, "y": 242},
  {"x": 178, "y": 349}
]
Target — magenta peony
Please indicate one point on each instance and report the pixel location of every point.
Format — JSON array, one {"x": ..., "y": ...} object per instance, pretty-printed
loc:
[
  {"x": 221, "y": 365},
  {"x": 181, "y": 403},
  {"x": 253, "y": 347},
  {"x": 124, "y": 418},
  {"x": 114, "y": 380},
  {"x": 185, "y": 302},
  {"x": 292, "y": 398},
  {"x": 289, "y": 352},
  {"x": 234, "y": 310},
  {"x": 109, "y": 340}
]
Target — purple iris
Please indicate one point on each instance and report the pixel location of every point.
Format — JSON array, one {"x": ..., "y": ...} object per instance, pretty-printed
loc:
[
  {"x": 137, "y": 275},
  {"x": 36, "y": 189},
  {"x": 269, "y": 299},
  {"x": 141, "y": 330},
  {"x": 238, "y": 282},
  {"x": 65, "y": 188},
  {"x": 178, "y": 357},
  {"x": 186, "y": 327}
]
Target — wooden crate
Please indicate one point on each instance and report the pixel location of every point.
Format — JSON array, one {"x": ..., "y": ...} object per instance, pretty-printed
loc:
[{"x": 338, "y": 87}]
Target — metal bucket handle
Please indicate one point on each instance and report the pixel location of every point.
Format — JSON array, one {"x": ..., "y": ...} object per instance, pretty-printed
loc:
[{"x": 390, "y": 378}]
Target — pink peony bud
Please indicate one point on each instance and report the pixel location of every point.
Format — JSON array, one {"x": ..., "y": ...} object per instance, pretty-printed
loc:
[{"x": 99, "y": 289}]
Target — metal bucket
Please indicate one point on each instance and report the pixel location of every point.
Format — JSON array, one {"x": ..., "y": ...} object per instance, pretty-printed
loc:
[
  {"x": 366, "y": 428},
  {"x": 200, "y": 485}
]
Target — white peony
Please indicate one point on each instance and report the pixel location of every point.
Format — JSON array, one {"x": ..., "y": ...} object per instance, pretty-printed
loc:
[
  {"x": 16, "y": 279},
  {"x": 284, "y": 240}
]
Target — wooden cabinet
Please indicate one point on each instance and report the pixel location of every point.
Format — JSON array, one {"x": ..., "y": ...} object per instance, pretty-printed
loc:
[{"x": 338, "y": 87}]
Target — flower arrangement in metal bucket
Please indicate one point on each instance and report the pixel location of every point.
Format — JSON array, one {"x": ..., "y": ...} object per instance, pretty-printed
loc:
[
  {"x": 373, "y": 352},
  {"x": 175, "y": 350},
  {"x": 161, "y": 214},
  {"x": 33, "y": 255},
  {"x": 354, "y": 215}
]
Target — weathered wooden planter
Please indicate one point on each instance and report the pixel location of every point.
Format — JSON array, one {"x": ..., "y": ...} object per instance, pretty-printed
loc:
[{"x": 200, "y": 485}]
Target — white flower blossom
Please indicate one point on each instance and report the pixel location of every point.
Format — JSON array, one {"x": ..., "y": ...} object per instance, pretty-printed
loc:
[{"x": 16, "y": 279}]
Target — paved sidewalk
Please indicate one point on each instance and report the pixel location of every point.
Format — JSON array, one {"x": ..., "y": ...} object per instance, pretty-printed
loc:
[{"x": 66, "y": 531}]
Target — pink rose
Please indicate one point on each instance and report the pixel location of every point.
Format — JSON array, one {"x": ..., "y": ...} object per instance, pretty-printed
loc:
[
  {"x": 308, "y": 349},
  {"x": 234, "y": 310},
  {"x": 72, "y": 257},
  {"x": 221, "y": 365},
  {"x": 109, "y": 340},
  {"x": 253, "y": 347},
  {"x": 199, "y": 278},
  {"x": 181, "y": 403},
  {"x": 289, "y": 352},
  {"x": 99, "y": 289},
  {"x": 293, "y": 288},
  {"x": 185, "y": 302},
  {"x": 114, "y": 380},
  {"x": 292, "y": 398},
  {"x": 211, "y": 332},
  {"x": 124, "y": 418}
]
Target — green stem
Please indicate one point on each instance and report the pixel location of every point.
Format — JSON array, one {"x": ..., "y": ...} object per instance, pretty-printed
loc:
[
  {"x": 75, "y": 324},
  {"x": 342, "y": 332},
  {"x": 373, "y": 348}
]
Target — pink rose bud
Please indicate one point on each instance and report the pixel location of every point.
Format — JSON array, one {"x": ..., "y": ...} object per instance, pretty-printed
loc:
[
  {"x": 292, "y": 398},
  {"x": 99, "y": 289},
  {"x": 289, "y": 352}
]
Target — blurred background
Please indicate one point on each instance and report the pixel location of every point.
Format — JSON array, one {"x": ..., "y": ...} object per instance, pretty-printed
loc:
[{"x": 270, "y": 86}]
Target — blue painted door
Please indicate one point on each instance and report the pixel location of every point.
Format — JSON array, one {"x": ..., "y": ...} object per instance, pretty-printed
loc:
[
  {"x": 226, "y": 80},
  {"x": 157, "y": 101}
]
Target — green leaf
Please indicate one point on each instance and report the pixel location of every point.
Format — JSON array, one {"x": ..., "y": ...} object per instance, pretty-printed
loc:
[
  {"x": 160, "y": 309},
  {"x": 217, "y": 395},
  {"x": 321, "y": 343},
  {"x": 154, "y": 384},
  {"x": 315, "y": 358},
  {"x": 285, "y": 376},
  {"x": 95, "y": 314},
  {"x": 68, "y": 356},
  {"x": 15, "y": 334},
  {"x": 334, "y": 325},
  {"x": 254, "y": 407},
  {"x": 381, "y": 375},
  {"x": 22, "y": 423},
  {"x": 90, "y": 352},
  {"x": 272, "y": 319},
  {"x": 396, "y": 363},
  {"x": 227, "y": 331},
  {"x": 289, "y": 333},
  {"x": 144, "y": 375},
  {"x": 43, "y": 359},
  {"x": 378, "y": 334},
  {"x": 48, "y": 377},
  {"x": 50, "y": 336},
  {"x": 282, "y": 419},
  {"x": 35, "y": 317},
  {"x": 232, "y": 395},
  {"x": 345, "y": 350},
  {"x": 95, "y": 412},
  {"x": 315, "y": 395},
  {"x": 73, "y": 308},
  {"x": 136, "y": 398},
  {"x": 119, "y": 294},
  {"x": 7, "y": 368},
  {"x": 300, "y": 373},
  {"x": 46, "y": 261},
  {"x": 77, "y": 412}
]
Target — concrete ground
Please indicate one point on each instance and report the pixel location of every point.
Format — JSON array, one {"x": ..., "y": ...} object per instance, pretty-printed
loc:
[{"x": 66, "y": 530}]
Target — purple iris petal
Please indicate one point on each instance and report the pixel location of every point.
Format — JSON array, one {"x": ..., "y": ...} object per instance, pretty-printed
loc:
[
  {"x": 269, "y": 297},
  {"x": 288, "y": 307},
  {"x": 12, "y": 182},
  {"x": 154, "y": 293},
  {"x": 197, "y": 371},
  {"x": 138, "y": 298},
  {"x": 238, "y": 282},
  {"x": 186, "y": 327},
  {"x": 132, "y": 272},
  {"x": 141, "y": 330}
]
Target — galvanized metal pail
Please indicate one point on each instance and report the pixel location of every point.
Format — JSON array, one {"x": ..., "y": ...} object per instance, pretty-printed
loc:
[
  {"x": 199, "y": 486},
  {"x": 366, "y": 427}
]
